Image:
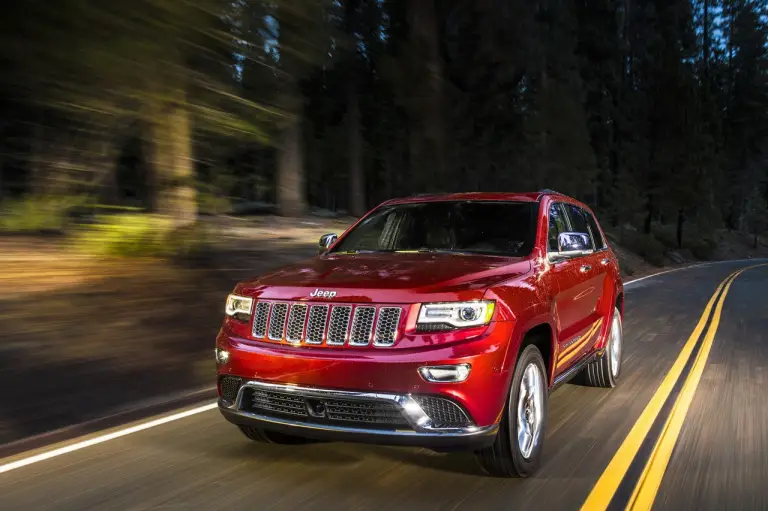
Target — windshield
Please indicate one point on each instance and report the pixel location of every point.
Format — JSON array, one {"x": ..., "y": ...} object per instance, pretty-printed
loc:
[{"x": 499, "y": 228}]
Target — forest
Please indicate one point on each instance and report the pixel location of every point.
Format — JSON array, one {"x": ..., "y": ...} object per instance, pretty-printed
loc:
[{"x": 654, "y": 112}]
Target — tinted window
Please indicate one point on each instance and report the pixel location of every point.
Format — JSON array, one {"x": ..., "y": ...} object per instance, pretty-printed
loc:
[
  {"x": 557, "y": 224},
  {"x": 503, "y": 228},
  {"x": 578, "y": 219},
  {"x": 596, "y": 235}
]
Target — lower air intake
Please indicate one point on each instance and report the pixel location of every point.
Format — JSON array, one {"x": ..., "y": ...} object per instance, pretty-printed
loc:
[
  {"x": 230, "y": 385},
  {"x": 339, "y": 411},
  {"x": 443, "y": 412}
]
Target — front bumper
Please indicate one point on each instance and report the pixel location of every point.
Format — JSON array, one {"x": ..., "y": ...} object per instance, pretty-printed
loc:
[
  {"x": 381, "y": 371},
  {"x": 418, "y": 429}
]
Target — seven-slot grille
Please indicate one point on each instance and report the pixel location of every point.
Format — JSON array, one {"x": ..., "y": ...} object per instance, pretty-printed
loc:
[{"x": 333, "y": 325}]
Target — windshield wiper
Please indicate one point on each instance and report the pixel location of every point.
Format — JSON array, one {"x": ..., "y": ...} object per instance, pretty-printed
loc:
[
  {"x": 434, "y": 251},
  {"x": 361, "y": 251}
]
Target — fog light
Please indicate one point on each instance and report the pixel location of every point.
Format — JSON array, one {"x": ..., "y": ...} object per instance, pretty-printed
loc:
[
  {"x": 445, "y": 374},
  {"x": 222, "y": 356}
]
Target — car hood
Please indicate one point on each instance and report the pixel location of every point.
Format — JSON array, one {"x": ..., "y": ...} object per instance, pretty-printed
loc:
[{"x": 387, "y": 278}]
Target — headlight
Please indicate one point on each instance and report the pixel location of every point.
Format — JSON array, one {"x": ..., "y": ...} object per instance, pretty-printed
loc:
[
  {"x": 238, "y": 306},
  {"x": 450, "y": 315}
]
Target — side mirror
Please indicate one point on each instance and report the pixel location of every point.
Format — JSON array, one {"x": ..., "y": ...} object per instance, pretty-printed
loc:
[
  {"x": 571, "y": 244},
  {"x": 570, "y": 241},
  {"x": 326, "y": 240}
]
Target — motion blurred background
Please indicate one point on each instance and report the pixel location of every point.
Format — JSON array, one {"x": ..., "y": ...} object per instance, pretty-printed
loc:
[{"x": 153, "y": 152}]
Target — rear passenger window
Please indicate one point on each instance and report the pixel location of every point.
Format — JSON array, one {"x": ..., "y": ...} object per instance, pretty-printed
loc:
[
  {"x": 596, "y": 235},
  {"x": 557, "y": 224},
  {"x": 579, "y": 220}
]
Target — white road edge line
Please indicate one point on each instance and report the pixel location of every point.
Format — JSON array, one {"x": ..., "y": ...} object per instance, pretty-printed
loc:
[
  {"x": 104, "y": 438},
  {"x": 194, "y": 411}
]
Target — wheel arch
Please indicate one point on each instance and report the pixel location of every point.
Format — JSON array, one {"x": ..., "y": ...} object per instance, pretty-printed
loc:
[
  {"x": 542, "y": 335},
  {"x": 619, "y": 303}
]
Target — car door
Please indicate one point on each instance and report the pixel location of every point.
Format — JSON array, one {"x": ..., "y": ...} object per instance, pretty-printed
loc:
[
  {"x": 586, "y": 296},
  {"x": 577, "y": 296},
  {"x": 570, "y": 285}
]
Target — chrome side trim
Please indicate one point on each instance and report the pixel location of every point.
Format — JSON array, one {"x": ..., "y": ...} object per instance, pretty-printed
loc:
[{"x": 409, "y": 407}]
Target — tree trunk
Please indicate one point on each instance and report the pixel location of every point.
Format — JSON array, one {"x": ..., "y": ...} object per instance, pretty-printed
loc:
[
  {"x": 648, "y": 217},
  {"x": 355, "y": 143},
  {"x": 754, "y": 245},
  {"x": 290, "y": 171},
  {"x": 680, "y": 220},
  {"x": 172, "y": 166},
  {"x": 426, "y": 88},
  {"x": 354, "y": 136}
]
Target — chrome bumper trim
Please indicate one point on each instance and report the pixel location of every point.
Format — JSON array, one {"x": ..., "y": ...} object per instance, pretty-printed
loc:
[{"x": 413, "y": 413}]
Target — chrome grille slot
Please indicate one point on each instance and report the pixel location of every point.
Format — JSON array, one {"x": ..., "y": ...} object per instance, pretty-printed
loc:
[
  {"x": 362, "y": 326},
  {"x": 278, "y": 402},
  {"x": 277, "y": 321},
  {"x": 386, "y": 326},
  {"x": 296, "y": 320},
  {"x": 318, "y": 316},
  {"x": 260, "y": 316},
  {"x": 339, "y": 325}
]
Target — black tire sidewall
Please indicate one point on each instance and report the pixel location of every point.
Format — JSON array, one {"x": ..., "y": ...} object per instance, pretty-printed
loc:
[
  {"x": 609, "y": 372},
  {"x": 526, "y": 467}
]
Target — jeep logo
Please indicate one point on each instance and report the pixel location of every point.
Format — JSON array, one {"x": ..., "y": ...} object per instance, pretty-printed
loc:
[{"x": 317, "y": 293}]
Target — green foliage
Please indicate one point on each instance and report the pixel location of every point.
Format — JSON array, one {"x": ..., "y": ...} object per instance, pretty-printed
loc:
[
  {"x": 703, "y": 248},
  {"x": 38, "y": 214},
  {"x": 646, "y": 246},
  {"x": 211, "y": 203},
  {"x": 626, "y": 268},
  {"x": 756, "y": 217},
  {"x": 667, "y": 235},
  {"x": 140, "y": 235},
  {"x": 211, "y": 200}
]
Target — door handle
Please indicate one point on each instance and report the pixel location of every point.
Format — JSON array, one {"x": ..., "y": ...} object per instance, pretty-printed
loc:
[{"x": 585, "y": 268}]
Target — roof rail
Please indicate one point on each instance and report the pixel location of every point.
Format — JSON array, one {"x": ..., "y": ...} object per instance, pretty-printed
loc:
[{"x": 547, "y": 190}]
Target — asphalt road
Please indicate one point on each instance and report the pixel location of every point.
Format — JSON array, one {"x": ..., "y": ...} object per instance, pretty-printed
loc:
[{"x": 718, "y": 459}]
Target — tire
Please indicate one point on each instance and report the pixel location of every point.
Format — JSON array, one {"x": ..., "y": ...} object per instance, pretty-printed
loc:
[
  {"x": 602, "y": 372},
  {"x": 273, "y": 437},
  {"x": 506, "y": 458}
]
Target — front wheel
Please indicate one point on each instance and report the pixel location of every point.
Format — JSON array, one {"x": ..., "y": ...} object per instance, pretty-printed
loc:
[
  {"x": 605, "y": 370},
  {"x": 516, "y": 451}
]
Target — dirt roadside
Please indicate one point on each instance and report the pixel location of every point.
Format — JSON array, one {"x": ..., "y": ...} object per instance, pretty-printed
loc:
[{"x": 84, "y": 338}]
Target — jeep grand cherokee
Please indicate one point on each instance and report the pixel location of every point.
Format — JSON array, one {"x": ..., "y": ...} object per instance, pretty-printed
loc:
[{"x": 442, "y": 321}]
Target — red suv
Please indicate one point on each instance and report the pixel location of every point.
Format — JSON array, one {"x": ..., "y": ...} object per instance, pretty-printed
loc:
[{"x": 441, "y": 321}]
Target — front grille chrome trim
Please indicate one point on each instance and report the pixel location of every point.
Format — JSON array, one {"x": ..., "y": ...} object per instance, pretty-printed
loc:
[
  {"x": 362, "y": 325},
  {"x": 419, "y": 421},
  {"x": 387, "y": 326},
  {"x": 327, "y": 324},
  {"x": 297, "y": 318},
  {"x": 278, "y": 317},
  {"x": 260, "y": 320},
  {"x": 317, "y": 323},
  {"x": 338, "y": 325}
]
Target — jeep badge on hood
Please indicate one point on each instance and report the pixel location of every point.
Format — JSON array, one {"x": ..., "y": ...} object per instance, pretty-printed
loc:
[{"x": 317, "y": 293}]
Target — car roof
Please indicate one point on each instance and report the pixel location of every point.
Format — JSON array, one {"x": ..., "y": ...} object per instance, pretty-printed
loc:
[{"x": 477, "y": 196}]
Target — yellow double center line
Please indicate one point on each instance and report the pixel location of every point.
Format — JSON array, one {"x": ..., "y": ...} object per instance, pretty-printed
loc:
[{"x": 634, "y": 475}]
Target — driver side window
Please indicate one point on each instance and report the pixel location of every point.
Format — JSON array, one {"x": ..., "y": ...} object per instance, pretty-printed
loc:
[{"x": 557, "y": 225}]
